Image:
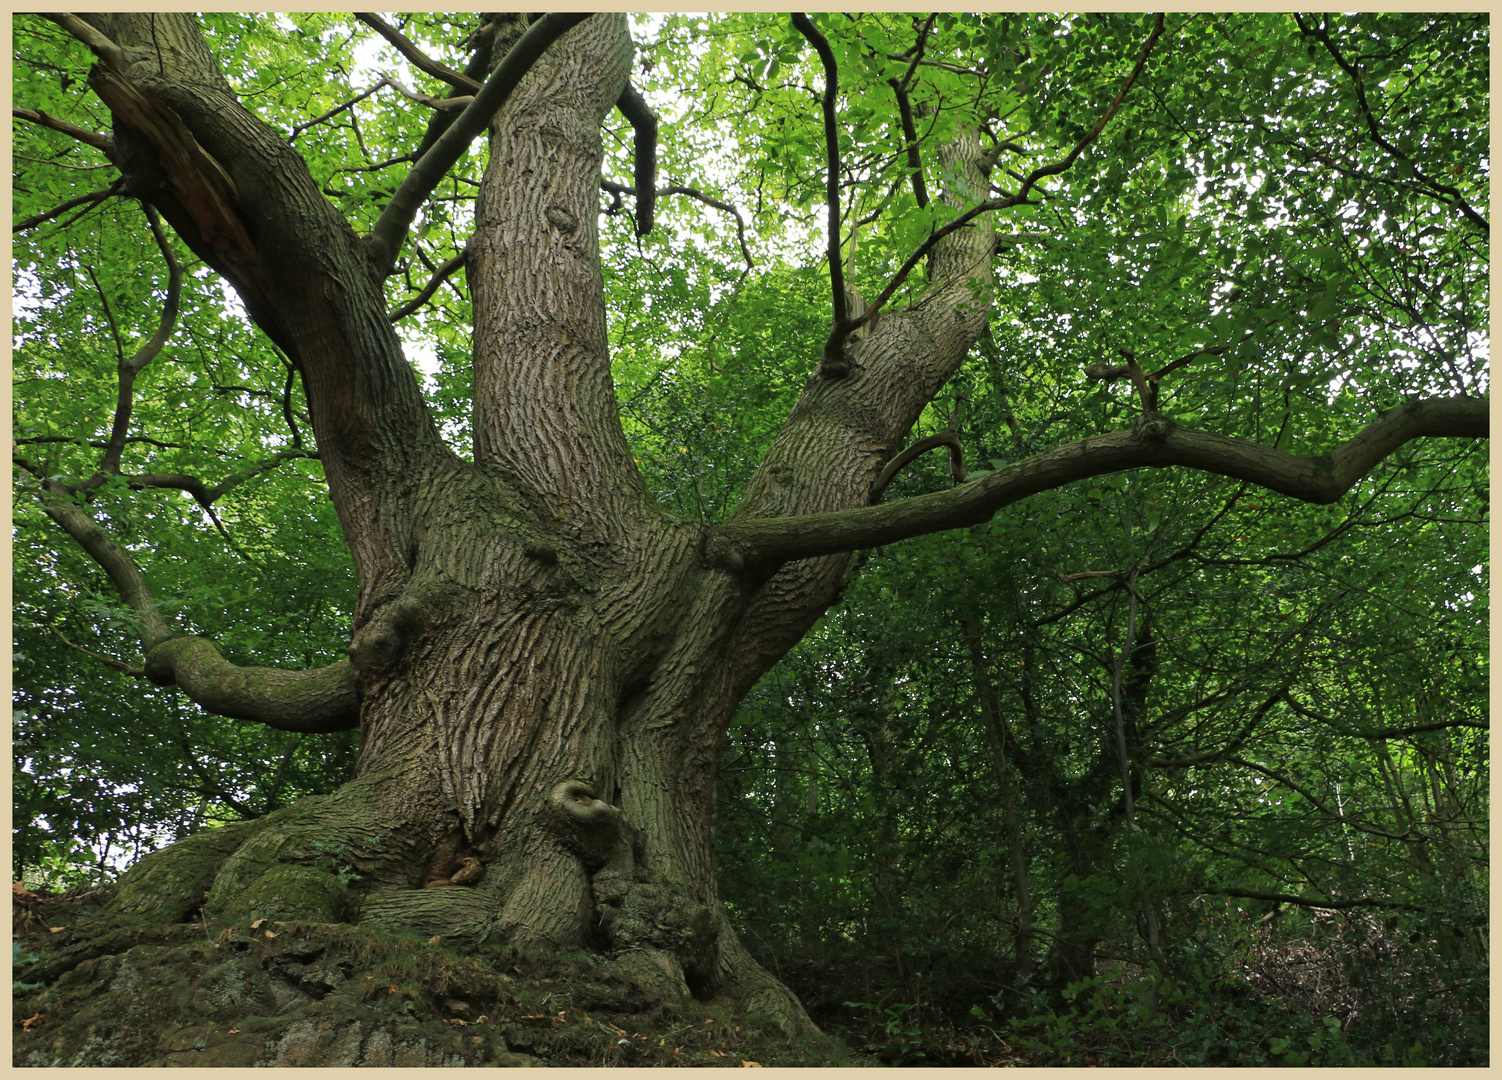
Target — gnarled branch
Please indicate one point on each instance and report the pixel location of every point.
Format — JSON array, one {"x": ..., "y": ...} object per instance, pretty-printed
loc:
[
  {"x": 1321, "y": 480},
  {"x": 319, "y": 700}
]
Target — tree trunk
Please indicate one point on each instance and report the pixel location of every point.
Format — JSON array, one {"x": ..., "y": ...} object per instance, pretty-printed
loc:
[{"x": 545, "y": 661}]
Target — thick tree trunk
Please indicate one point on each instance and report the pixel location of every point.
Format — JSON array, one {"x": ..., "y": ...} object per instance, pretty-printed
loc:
[{"x": 545, "y": 661}]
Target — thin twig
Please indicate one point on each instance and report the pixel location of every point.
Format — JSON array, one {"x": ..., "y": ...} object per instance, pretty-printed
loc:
[
  {"x": 439, "y": 275},
  {"x": 134, "y": 673},
  {"x": 693, "y": 193},
  {"x": 335, "y": 111},
  {"x": 83, "y": 135},
  {"x": 91, "y": 198}
]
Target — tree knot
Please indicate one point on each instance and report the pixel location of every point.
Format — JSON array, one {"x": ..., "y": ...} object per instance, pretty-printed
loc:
[{"x": 596, "y": 831}]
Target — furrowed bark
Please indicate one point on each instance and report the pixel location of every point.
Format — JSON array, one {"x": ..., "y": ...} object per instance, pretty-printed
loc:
[{"x": 545, "y": 414}]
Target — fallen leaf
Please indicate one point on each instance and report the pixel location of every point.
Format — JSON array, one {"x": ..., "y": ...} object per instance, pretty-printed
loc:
[
  {"x": 234, "y": 1031},
  {"x": 31, "y": 1022},
  {"x": 268, "y": 933},
  {"x": 56, "y": 929},
  {"x": 435, "y": 939},
  {"x": 257, "y": 924},
  {"x": 750, "y": 1064}
]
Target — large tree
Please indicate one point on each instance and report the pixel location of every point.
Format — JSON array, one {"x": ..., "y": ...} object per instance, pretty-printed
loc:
[{"x": 1266, "y": 226}]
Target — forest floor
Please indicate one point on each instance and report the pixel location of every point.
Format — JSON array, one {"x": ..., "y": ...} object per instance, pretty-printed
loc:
[{"x": 93, "y": 992}]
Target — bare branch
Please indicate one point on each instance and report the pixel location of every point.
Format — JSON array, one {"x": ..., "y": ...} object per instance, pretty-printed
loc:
[
  {"x": 643, "y": 123},
  {"x": 419, "y": 59},
  {"x": 843, "y": 325},
  {"x": 385, "y": 240},
  {"x": 1320, "y": 480},
  {"x": 448, "y": 104},
  {"x": 1395, "y": 732},
  {"x": 131, "y": 367},
  {"x": 693, "y": 193},
  {"x": 108, "y": 661},
  {"x": 919, "y": 448},
  {"x": 202, "y": 493},
  {"x": 83, "y": 135},
  {"x": 1310, "y": 902},
  {"x": 438, "y": 278},
  {"x": 1208, "y": 757},
  {"x": 90, "y": 199},
  {"x": 335, "y": 111}
]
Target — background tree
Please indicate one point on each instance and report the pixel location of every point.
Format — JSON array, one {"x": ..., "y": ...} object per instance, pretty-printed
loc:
[{"x": 556, "y": 606}]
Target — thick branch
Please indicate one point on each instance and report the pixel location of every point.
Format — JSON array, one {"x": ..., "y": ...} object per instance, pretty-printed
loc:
[
  {"x": 116, "y": 562},
  {"x": 1019, "y": 197},
  {"x": 317, "y": 701},
  {"x": 1320, "y": 480},
  {"x": 419, "y": 59},
  {"x": 100, "y": 45},
  {"x": 643, "y": 123},
  {"x": 919, "y": 448},
  {"x": 385, "y": 240}
]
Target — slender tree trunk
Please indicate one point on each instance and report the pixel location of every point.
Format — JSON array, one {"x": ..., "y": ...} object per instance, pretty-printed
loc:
[{"x": 1002, "y": 753}]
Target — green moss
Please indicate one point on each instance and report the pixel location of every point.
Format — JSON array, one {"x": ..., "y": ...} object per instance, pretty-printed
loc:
[{"x": 287, "y": 891}]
